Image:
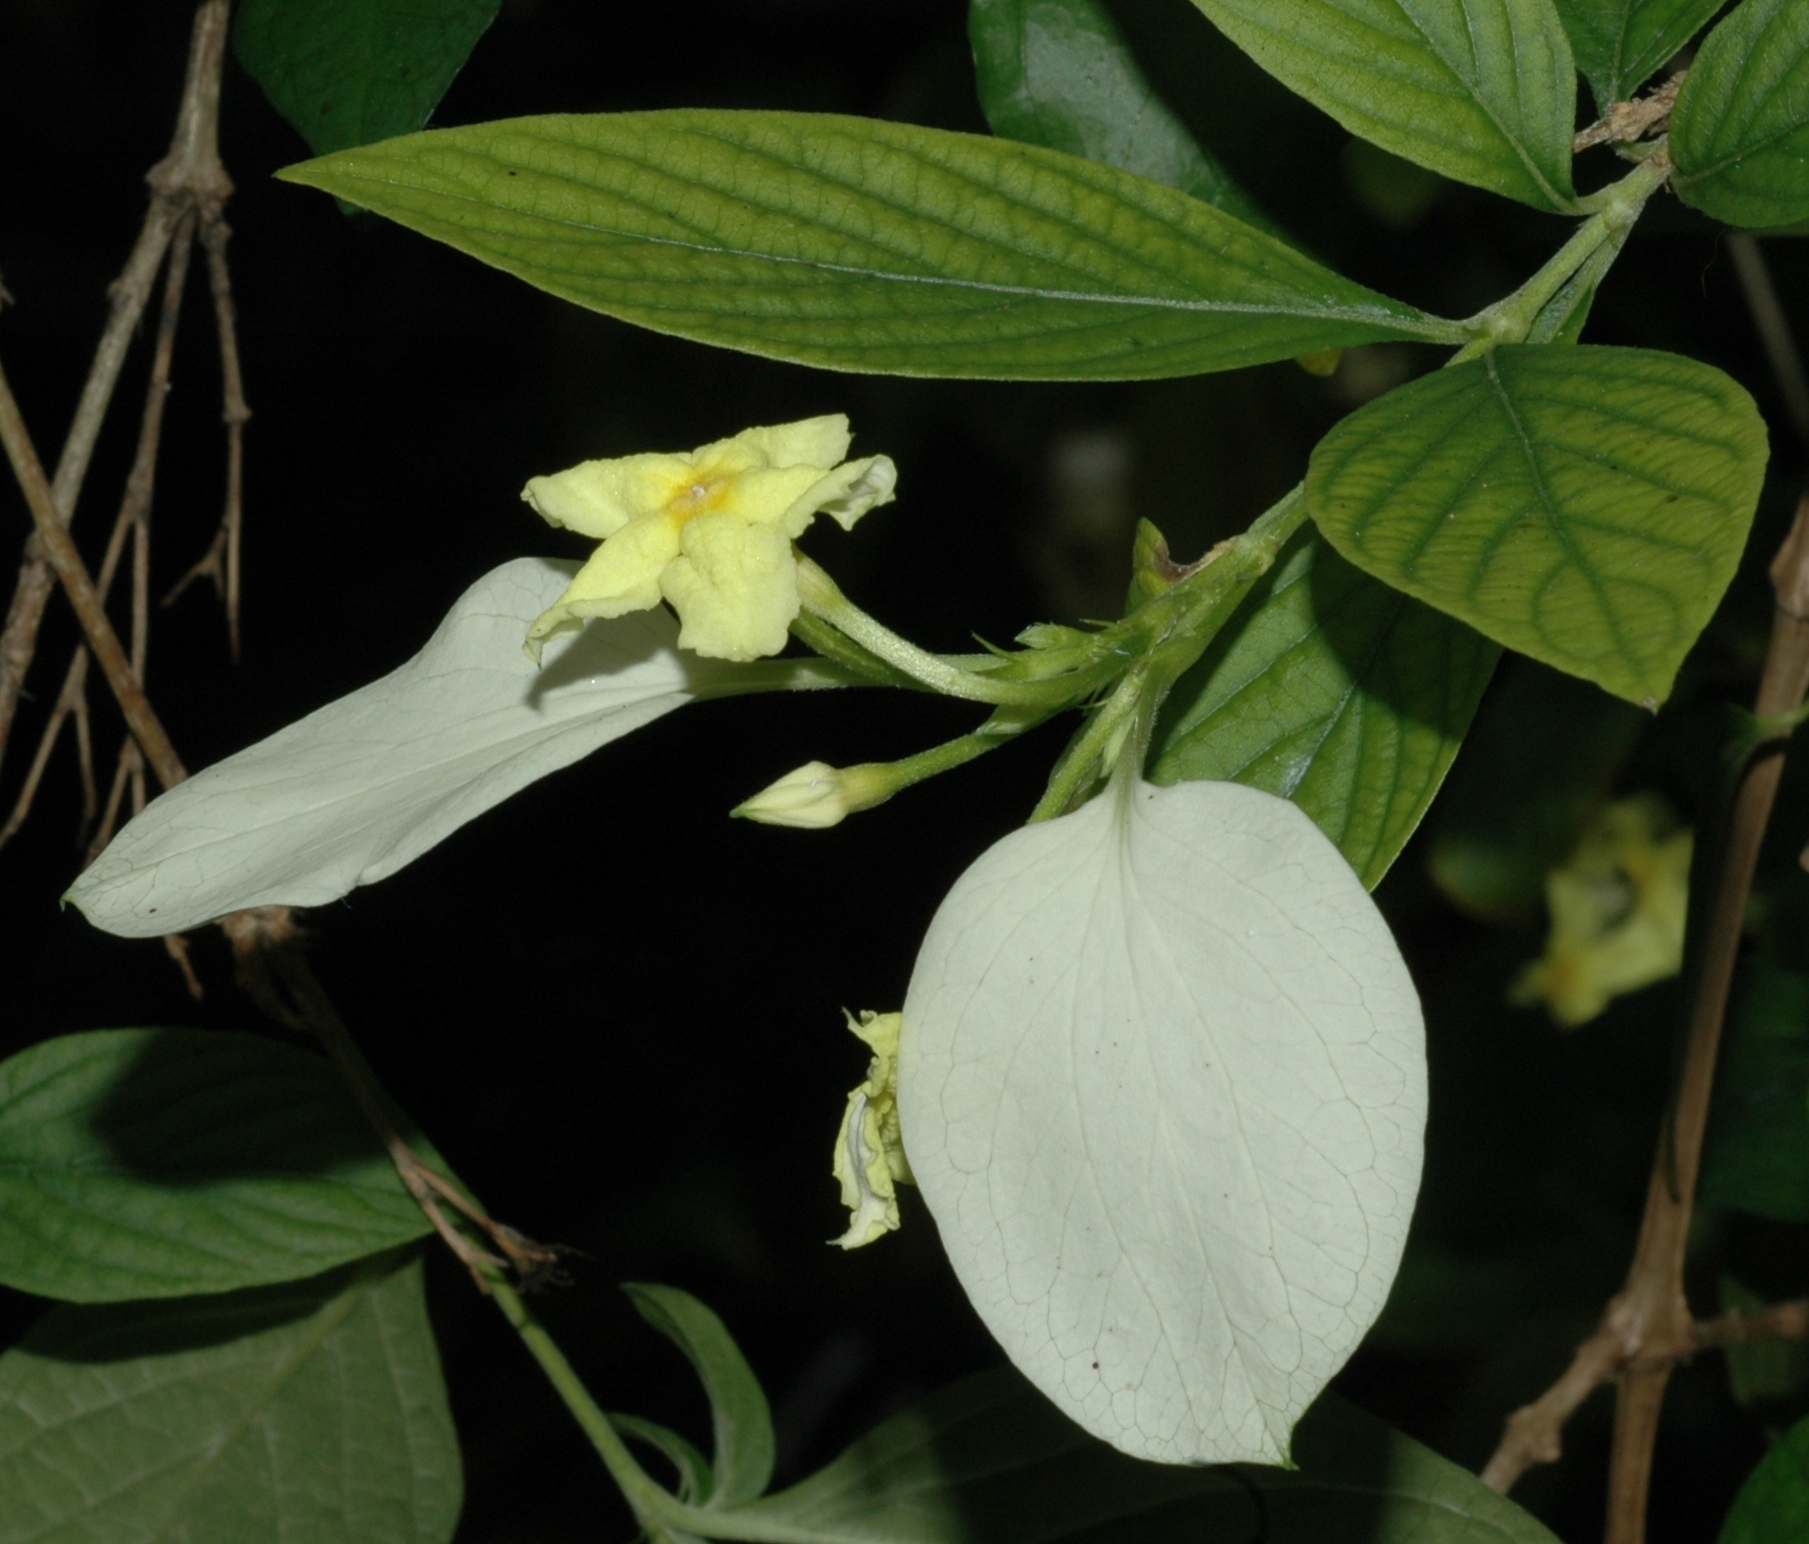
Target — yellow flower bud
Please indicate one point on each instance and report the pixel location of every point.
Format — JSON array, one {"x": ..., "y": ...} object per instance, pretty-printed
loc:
[{"x": 816, "y": 796}]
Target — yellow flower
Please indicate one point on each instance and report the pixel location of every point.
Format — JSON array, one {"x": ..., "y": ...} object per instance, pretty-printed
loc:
[
  {"x": 1617, "y": 912},
  {"x": 710, "y": 531},
  {"x": 869, "y": 1154}
]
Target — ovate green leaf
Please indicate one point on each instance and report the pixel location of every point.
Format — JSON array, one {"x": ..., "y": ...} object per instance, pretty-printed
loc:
[
  {"x": 141, "y": 1163},
  {"x": 312, "y": 1413},
  {"x": 365, "y": 785},
  {"x": 1773, "y": 1505},
  {"x": 1335, "y": 691},
  {"x": 988, "y": 1461},
  {"x": 1740, "y": 130},
  {"x": 863, "y": 245},
  {"x": 1586, "y": 506},
  {"x": 1619, "y": 43},
  {"x": 1057, "y": 73},
  {"x": 743, "y": 1461},
  {"x": 1481, "y": 90},
  {"x": 1161, "y": 1077},
  {"x": 347, "y": 72}
]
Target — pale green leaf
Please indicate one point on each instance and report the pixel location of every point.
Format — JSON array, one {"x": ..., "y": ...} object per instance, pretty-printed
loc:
[
  {"x": 693, "y": 1469},
  {"x": 742, "y": 1464},
  {"x": 863, "y": 245},
  {"x": 1335, "y": 691},
  {"x": 1057, "y": 73},
  {"x": 313, "y": 1413},
  {"x": 365, "y": 785},
  {"x": 1586, "y": 506},
  {"x": 1740, "y": 130},
  {"x": 1161, "y": 1077},
  {"x": 346, "y": 72},
  {"x": 139, "y": 1163},
  {"x": 988, "y": 1461},
  {"x": 1619, "y": 43},
  {"x": 1773, "y": 1504},
  {"x": 1481, "y": 90}
]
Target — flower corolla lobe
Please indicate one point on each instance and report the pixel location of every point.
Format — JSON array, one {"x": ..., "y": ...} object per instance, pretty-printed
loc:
[{"x": 709, "y": 531}]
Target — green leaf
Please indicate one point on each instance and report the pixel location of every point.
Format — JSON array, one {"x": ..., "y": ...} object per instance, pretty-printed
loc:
[
  {"x": 1740, "y": 130},
  {"x": 743, "y": 1459},
  {"x": 1619, "y": 43},
  {"x": 988, "y": 1461},
  {"x": 1334, "y": 691},
  {"x": 694, "y": 1478},
  {"x": 1057, "y": 73},
  {"x": 862, "y": 245},
  {"x": 347, "y": 72},
  {"x": 1541, "y": 757},
  {"x": 149, "y": 1163},
  {"x": 1773, "y": 1504},
  {"x": 1756, "y": 1157},
  {"x": 1584, "y": 505},
  {"x": 1481, "y": 90},
  {"x": 313, "y": 1413}
]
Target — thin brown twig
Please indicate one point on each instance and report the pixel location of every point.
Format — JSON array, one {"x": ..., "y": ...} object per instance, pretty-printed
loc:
[
  {"x": 190, "y": 178},
  {"x": 275, "y": 972},
  {"x": 1781, "y": 1321},
  {"x": 1647, "y": 1329},
  {"x": 1626, "y": 121},
  {"x": 1773, "y": 328},
  {"x": 60, "y": 549},
  {"x": 220, "y": 562}
]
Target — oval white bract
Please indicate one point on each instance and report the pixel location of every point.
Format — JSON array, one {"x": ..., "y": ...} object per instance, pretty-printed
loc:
[{"x": 1162, "y": 1083}]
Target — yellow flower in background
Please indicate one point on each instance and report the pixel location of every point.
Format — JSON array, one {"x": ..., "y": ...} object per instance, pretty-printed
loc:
[
  {"x": 869, "y": 1154},
  {"x": 710, "y": 531},
  {"x": 1617, "y": 909}
]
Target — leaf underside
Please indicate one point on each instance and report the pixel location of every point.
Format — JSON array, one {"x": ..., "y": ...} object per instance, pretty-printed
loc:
[
  {"x": 857, "y": 244},
  {"x": 1584, "y": 505},
  {"x": 1481, "y": 90},
  {"x": 1740, "y": 130}
]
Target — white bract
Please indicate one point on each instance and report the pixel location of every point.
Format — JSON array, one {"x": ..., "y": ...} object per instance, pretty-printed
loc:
[
  {"x": 353, "y": 792},
  {"x": 1162, "y": 1083}
]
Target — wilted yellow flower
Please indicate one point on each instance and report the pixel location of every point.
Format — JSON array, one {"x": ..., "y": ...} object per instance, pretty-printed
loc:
[
  {"x": 1617, "y": 912},
  {"x": 869, "y": 1154},
  {"x": 710, "y": 531}
]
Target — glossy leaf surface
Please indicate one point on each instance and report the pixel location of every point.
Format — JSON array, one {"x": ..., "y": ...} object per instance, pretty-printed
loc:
[
  {"x": 1161, "y": 1078},
  {"x": 1057, "y": 73},
  {"x": 1481, "y": 90},
  {"x": 742, "y": 1464},
  {"x": 989, "y": 1461},
  {"x": 313, "y": 1413},
  {"x": 143, "y": 1163},
  {"x": 863, "y": 245},
  {"x": 348, "y": 72},
  {"x": 1586, "y": 506},
  {"x": 1335, "y": 691},
  {"x": 1740, "y": 130},
  {"x": 1619, "y": 43},
  {"x": 365, "y": 785}
]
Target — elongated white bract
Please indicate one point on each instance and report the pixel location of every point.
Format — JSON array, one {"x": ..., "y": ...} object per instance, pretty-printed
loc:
[
  {"x": 1162, "y": 1082},
  {"x": 351, "y": 793}
]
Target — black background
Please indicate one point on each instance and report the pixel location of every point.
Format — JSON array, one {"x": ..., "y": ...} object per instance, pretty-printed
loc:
[{"x": 618, "y": 1012}]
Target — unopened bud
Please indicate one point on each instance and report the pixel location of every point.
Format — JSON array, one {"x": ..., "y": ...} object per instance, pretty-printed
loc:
[{"x": 817, "y": 796}]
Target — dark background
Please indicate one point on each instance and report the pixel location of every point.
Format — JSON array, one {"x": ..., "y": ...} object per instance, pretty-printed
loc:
[{"x": 618, "y": 1012}]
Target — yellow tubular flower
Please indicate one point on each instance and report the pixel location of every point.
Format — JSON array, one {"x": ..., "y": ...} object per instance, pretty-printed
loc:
[
  {"x": 869, "y": 1154},
  {"x": 710, "y": 531}
]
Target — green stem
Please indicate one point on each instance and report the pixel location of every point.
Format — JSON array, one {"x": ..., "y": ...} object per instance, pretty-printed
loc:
[
  {"x": 823, "y": 599},
  {"x": 1614, "y": 211}
]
